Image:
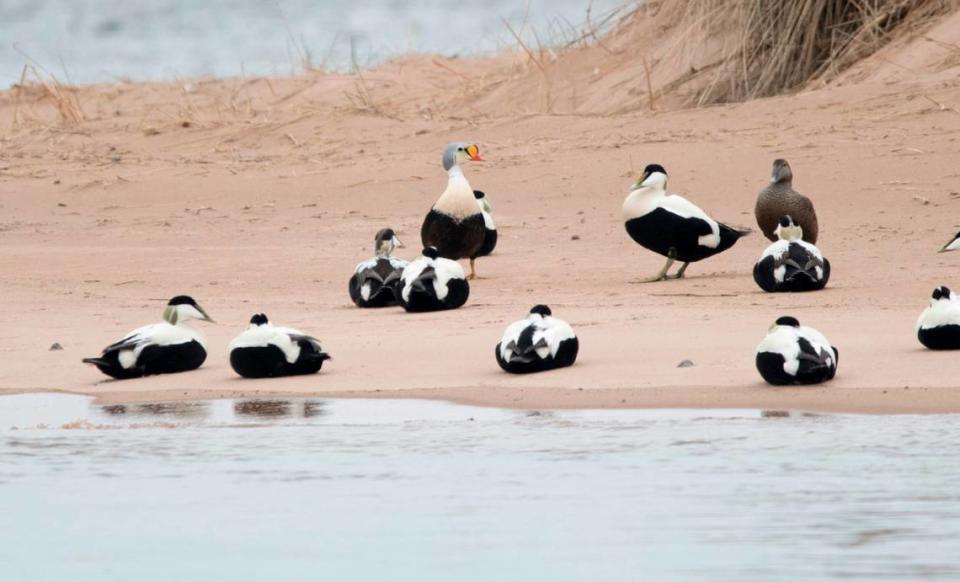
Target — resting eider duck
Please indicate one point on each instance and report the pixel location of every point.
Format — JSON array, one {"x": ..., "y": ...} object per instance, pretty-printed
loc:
[
  {"x": 780, "y": 199},
  {"x": 671, "y": 225},
  {"x": 939, "y": 325},
  {"x": 265, "y": 351},
  {"x": 162, "y": 348},
  {"x": 953, "y": 245},
  {"x": 490, "y": 239},
  {"x": 792, "y": 354},
  {"x": 433, "y": 283},
  {"x": 455, "y": 224},
  {"x": 374, "y": 281},
  {"x": 539, "y": 342},
  {"x": 790, "y": 264}
]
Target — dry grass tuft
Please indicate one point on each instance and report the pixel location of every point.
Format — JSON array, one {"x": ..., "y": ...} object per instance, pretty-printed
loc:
[
  {"x": 38, "y": 85},
  {"x": 761, "y": 48}
]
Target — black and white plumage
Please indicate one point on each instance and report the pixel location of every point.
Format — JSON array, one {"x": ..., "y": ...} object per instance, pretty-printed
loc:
[
  {"x": 455, "y": 224},
  {"x": 162, "y": 348},
  {"x": 953, "y": 245},
  {"x": 793, "y": 354},
  {"x": 266, "y": 351},
  {"x": 791, "y": 264},
  {"x": 433, "y": 283},
  {"x": 375, "y": 282},
  {"x": 539, "y": 342},
  {"x": 938, "y": 327},
  {"x": 671, "y": 225},
  {"x": 490, "y": 239}
]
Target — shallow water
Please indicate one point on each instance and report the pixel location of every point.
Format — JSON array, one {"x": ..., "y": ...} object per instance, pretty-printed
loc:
[
  {"x": 415, "y": 490},
  {"x": 102, "y": 40}
]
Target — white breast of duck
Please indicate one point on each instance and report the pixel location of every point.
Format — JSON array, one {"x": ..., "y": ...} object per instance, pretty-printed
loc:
[
  {"x": 651, "y": 194},
  {"x": 445, "y": 270},
  {"x": 944, "y": 309},
  {"x": 261, "y": 336},
  {"x": 457, "y": 200}
]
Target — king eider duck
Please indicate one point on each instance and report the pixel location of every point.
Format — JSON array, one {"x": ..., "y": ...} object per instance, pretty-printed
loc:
[
  {"x": 374, "y": 281},
  {"x": 490, "y": 240},
  {"x": 265, "y": 351},
  {"x": 539, "y": 342},
  {"x": 939, "y": 325},
  {"x": 953, "y": 245},
  {"x": 433, "y": 283},
  {"x": 671, "y": 225},
  {"x": 779, "y": 199},
  {"x": 793, "y": 354},
  {"x": 790, "y": 264},
  {"x": 455, "y": 224},
  {"x": 162, "y": 348}
]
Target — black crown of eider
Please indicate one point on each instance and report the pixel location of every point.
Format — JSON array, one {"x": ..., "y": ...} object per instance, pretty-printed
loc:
[
  {"x": 788, "y": 320},
  {"x": 478, "y": 194},
  {"x": 942, "y": 292},
  {"x": 786, "y": 220},
  {"x": 651, "y": 168},
  {"x": 541, "y": 310},
  {"x": 431, "y": 252},
  {"x": 384, "y": 234},
  {"x": 182, "y": 300},
  {"x": 259, "y": 319}
]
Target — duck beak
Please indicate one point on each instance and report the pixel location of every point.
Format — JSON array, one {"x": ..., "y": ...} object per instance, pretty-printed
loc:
[
  {"x": 397, "y": 243},
  {"x": 641, "y": 180},
  {"x": 206, "y": 317},
  {"x": 946, "y": 248},
  {"x": 474, "y": 152}
]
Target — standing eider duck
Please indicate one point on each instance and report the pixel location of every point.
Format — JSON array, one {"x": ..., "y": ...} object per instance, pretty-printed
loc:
[
  {"x": 162, "y": 348},
  {"x": 671, "y": 225},
  {"x": 790, "y": 264},
  {"x": 953, "y": 245},
  {"x": 939, "y": 325},
  {"x": 455, "y": 224},
  {"x": 375, "y": 281},
  {"x": 780, "y": 199},
  {"x": 433, "y": 283},
  {"x": 539, "y": 342},
  {"x": 490, "y": 239},
  {"x": 266, "y": 351},
  {"x": 793, "y": 354}
]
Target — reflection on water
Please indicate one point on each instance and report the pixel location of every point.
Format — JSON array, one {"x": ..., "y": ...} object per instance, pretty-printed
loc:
[
  {"x": 264, "y": 408},
  {"x": 412, "y": 490}
]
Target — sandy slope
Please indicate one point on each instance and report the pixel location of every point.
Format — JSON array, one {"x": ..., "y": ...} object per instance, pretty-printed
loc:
[{"x": 262, "y": 195}]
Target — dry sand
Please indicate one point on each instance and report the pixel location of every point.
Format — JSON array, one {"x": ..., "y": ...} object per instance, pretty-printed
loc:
[{"x": 263, "y": 194}]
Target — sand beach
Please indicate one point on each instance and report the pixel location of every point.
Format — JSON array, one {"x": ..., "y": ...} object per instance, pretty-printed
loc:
[{"x": 262, "y": 194}]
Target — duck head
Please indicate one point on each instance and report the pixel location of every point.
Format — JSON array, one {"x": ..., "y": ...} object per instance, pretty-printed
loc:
[{"x": 183, "y": 308}]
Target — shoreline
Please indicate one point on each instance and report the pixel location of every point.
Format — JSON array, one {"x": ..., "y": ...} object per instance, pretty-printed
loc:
[{"x": 816, "y": 399}]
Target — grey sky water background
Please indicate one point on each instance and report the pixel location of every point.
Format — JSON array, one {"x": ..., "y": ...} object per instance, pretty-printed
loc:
[{"x": 84, "y": 41}]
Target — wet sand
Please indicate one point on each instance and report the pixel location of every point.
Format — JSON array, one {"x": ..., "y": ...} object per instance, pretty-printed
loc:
[{"x": 262, "y": 195}]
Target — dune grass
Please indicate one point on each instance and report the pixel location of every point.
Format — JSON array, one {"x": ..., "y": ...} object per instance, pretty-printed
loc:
[{"x": 771, "y": 47}]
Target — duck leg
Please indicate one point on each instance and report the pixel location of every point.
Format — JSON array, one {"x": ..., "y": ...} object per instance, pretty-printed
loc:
[
  {"x": 661, "y": 276},
  {"x": 473, "y": 270},
  {"x": 679, "y": 273}
]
